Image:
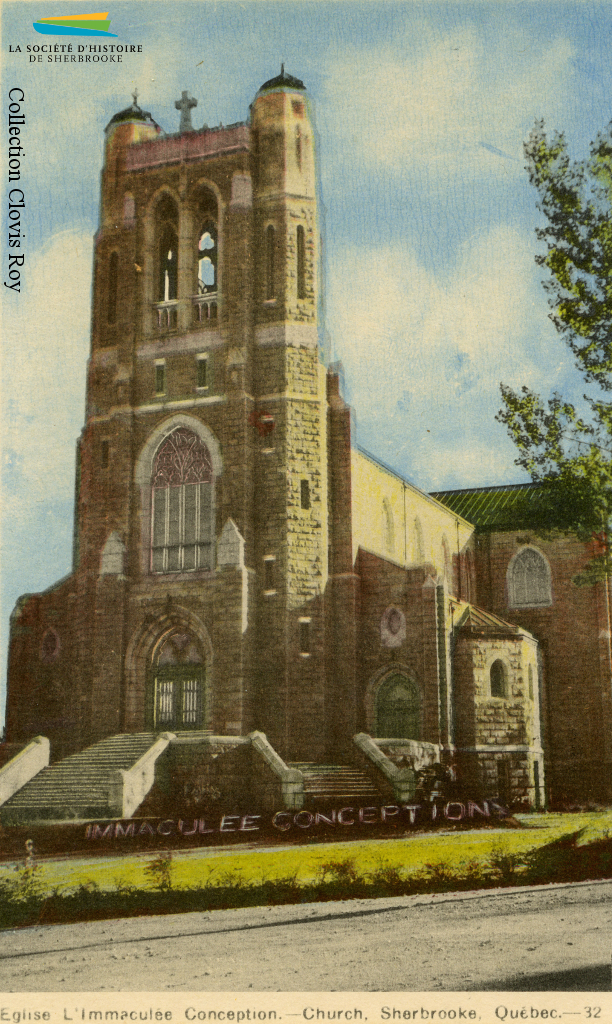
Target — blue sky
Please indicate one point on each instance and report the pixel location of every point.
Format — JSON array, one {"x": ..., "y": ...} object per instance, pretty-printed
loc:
[{"x": 432, "y": 293}]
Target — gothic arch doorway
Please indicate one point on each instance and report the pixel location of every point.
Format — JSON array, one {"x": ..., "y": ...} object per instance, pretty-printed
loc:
[
  {"x": 177, "y": 693},
  {"x": 398, "y": 709}
]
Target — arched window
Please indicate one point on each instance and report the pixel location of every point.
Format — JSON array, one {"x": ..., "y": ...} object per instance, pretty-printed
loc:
[
  {"x": 529, "y": 580},
  {"x": 49, "y": 646},
  {"x": 388, "y": 527},
  {"x": 298, "y": 147},
  {"x": 270, "y": 244},
  {"x": 182, "y": 505},
  {"x": 168, "y": 266},
  {"x": 167, "y": 250},
  {"x": 398, "y": 709},
  {"x": 530, "y": 682},
  {"x": 111, "y": 305},
  {"x": 301, "y": 262},
  {"x": 497, "y": 679},
  {"x": 177, "y": 691},
  {"x": 207, "y": 258}
]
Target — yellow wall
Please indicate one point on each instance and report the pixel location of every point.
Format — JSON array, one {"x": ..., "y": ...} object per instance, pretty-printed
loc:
[{"x": 390, "y": 514}]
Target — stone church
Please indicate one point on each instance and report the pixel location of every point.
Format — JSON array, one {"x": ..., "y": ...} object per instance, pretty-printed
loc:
[{"x": 258, "y": 608}]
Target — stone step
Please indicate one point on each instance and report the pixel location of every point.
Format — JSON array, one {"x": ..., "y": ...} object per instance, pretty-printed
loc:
[
  {"x": 81, "y": 781},
  {"x": 325, "y": 781}
]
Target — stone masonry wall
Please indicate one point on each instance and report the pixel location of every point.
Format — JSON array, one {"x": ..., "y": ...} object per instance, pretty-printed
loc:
[
  {"x": 573, "y": 635},
  {"x": 385, "y": 585},
  {"x": 498, "y": 738}
]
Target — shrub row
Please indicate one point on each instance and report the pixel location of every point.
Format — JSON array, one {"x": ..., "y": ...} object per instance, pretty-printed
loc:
[{"x": 24, "y": 901}]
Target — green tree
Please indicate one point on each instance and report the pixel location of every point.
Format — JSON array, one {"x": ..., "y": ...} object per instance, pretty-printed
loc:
[{"x": 565, "y": 449}]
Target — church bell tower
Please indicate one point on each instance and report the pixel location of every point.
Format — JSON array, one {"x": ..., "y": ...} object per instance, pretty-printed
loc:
[
  {"x": 291, "y": 493},
  {"x": 197, "y": 598}
]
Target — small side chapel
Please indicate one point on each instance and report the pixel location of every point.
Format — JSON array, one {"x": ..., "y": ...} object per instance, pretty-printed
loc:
[{"x": 259, "y": 611}]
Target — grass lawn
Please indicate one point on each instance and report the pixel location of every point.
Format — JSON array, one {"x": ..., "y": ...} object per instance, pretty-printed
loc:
[{"x": 451, "y": 853}]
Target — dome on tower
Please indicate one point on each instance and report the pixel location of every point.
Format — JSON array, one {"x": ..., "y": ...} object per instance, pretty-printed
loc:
[
  {"x": 133, "y": 113},
  {"x": 282, "y": 81}
]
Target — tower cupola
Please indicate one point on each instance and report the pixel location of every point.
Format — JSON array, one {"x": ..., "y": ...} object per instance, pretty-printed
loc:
[
  {"x": 282, "y": 81},
  {"x": 281, "y": 120},
  {"x": 130, "y": 125}
]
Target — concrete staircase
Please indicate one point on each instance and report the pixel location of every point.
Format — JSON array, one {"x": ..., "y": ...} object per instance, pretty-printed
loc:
[
  {"x": 332, "y": 783},
  {"x": 80, "y": 785}
]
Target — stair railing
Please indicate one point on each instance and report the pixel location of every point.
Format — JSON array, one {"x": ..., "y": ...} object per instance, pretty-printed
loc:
[
  {"x": 403, "y": 780},
  {"x": 289, "y": 780},
  {"x": 129, "y": 786},
  {"x": 23, "y": 767}
]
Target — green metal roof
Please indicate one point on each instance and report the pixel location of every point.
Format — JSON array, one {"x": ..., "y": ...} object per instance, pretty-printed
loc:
[{"x": 508, "y": 507}]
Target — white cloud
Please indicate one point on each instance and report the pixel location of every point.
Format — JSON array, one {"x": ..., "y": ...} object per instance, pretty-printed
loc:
[
  {"x": 433, "y": 100},
  {"x": 442, "y": 346},
  {"x": 46, "y": 342}
]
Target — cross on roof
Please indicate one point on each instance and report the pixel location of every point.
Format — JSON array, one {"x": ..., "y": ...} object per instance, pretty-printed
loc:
[
  {"x": 135, "y": 97},
  {"x": 185, "y": 105}
]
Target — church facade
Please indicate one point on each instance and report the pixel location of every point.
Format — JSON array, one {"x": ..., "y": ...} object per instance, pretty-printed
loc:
[{"x": 240, "y": 566}]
